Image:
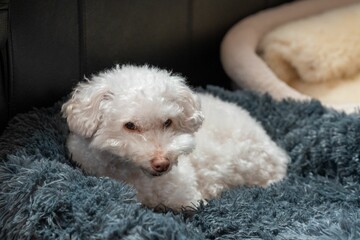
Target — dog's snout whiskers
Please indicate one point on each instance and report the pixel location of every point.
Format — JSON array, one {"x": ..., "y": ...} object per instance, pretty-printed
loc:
[
  {"x": 143, "y": 137},
  {"x": 113, "y": 142}
]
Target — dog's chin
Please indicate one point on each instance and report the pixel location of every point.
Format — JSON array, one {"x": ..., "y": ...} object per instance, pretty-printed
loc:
[{"x": 153, "y": 174}]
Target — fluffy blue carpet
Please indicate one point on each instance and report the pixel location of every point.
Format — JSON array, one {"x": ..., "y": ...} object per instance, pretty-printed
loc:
[{"x": 44, "y": 196}]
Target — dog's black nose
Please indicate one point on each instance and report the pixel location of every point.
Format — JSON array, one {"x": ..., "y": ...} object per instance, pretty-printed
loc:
[{"x": 160, "y": 164}]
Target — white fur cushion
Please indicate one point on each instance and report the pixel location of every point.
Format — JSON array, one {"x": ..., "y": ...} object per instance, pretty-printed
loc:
[
  {"x": 320, "y": 48},
  {"x": 250, "y": 36}
]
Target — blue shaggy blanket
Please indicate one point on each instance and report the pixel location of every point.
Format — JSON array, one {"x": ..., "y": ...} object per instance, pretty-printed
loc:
[{"x": 43, "y": 195}]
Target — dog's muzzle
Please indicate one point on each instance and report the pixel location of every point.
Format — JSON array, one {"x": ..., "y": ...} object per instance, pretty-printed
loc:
[
  {"x": 152, "y": 173},
  {"x": 160, "y": 164}
]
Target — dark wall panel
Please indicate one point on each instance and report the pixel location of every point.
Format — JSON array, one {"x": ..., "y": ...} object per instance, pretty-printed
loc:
[
  {"x": 136, "y": 31},
  {"x": 44, "y": 51}
]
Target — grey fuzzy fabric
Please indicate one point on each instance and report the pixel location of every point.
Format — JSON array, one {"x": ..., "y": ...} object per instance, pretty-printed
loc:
[{"x": 43, "y": 195}]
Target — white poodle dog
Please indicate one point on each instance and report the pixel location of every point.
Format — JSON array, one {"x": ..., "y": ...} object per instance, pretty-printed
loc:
[{"x": 146, "y": 127}]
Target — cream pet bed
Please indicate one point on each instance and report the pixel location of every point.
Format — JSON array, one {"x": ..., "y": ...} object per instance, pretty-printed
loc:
[{"x": 302, "y": 50}]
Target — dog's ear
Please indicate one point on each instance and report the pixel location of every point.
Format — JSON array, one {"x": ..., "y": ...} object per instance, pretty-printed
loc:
[
  {"x": 192, "y": 116},
  {"x": 83, "y": 109}
]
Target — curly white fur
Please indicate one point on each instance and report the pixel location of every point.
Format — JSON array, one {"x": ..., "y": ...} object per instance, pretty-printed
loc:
[{"x": 142, "y": 125}]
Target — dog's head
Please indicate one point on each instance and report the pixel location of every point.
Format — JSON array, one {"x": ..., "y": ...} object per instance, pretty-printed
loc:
[{"x": 142, "y": 114}]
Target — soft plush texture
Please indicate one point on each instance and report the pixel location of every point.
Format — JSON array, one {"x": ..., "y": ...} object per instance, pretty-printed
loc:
[
  {"x": 319, "y": 54},
  {"x": 319, "y": 48},
  {"x": 241, "y": 45},
  {"x": 45, "y": 196}
]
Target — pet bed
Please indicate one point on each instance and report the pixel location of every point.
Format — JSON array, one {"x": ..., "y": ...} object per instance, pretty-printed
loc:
[
  {"x": 43, "y": 195},
  {"x": 305, "y": 49}
]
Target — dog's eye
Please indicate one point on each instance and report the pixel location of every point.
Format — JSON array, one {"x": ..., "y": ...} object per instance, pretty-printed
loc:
[
  {"x": 167, "y": 123},
  {"x": 130, "y": 126}
]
